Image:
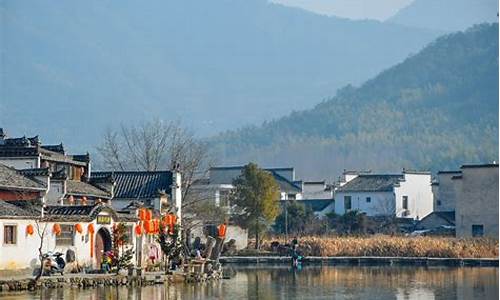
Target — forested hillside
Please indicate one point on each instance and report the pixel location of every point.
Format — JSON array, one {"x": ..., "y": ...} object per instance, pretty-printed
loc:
[
  {"x": 436, "y": 110},
  {"x": 215, "y": 65}
]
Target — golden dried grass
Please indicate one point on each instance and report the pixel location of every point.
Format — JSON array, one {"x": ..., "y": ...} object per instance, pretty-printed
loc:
[{"x": 396, "y": 246}]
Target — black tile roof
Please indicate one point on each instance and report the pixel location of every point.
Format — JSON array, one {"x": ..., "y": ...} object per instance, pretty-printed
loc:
[
  {"x": 80, "y": 188},
  {"x": 372, "y": 183},
  {"x": 83, "y": 213},
  {"x": 138, "y": 184},
  {"x": 286, "y": 186},
  {"x": 10, "y": 210},
  {"x": 54, "y": 148},
  {"x": 11, "y": 178},
  {"x": 479, "y": 166},
  {"x": 317, "y": 205},
  {"x": 448, "y": 216}
]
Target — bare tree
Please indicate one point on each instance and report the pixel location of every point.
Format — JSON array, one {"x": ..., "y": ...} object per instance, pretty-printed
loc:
[
  {"x": 156, "y": 145},
  {"x": 41, "y": 230}
]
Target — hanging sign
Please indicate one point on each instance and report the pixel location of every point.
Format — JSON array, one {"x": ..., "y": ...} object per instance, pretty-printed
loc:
[{"x": 103, "y": 219}]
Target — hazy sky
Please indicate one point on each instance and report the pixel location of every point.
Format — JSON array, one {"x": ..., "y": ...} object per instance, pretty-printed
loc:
[{"x": 353, "y": 9}]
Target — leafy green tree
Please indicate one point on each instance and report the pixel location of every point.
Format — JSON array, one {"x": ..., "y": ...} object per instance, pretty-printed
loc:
[
  {"x": 296, "y": 216},
  {"x": 256, "y": 197}
]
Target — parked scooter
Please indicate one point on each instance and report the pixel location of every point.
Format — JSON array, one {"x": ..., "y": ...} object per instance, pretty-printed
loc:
[{"x": 53, "y": 263}]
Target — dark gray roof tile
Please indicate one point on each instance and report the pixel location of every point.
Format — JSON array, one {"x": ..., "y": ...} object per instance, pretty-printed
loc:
[
  {"x": 372, "y": 183},
  {"x": 12, "y": 178},
  {"x": 138, "y": 184}
]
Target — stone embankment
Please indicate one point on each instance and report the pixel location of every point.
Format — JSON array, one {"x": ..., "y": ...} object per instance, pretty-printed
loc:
[
  {"x": 366, "y": 260},
  {"x": 98, "y": 280}
]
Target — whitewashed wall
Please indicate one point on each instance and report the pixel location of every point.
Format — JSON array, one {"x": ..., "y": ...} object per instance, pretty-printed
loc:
[
  {"x": 21, "y": 162},
  {"x": 420, "y": 198},
  {"x": 382, "y": 203},
  {"x": 24, "y": 254}
]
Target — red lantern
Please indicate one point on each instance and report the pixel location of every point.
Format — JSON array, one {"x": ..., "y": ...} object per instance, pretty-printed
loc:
[
  {"x": 79, "y": 228},
  {"x": 29, "y": 229},
  {"x": 149, "y": 227},
  {"x": 56, "y": 229},
  {"x": 149, "y": 215},
  {"x": 222, "y": 230},
  {"x": 84, "y": 200},
  {"x": 138, "y": 230},
  {"x": 142, "y": 214},
  {"x": 71, "y": 199},
  {"x": 167, "y": 220},
  {"x": 91, "y": 228}
]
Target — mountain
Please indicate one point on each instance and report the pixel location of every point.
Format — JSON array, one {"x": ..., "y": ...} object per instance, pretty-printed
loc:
[
  {"x": 436, "y": 110},
  {"x": 71, "y": 68},
  {"x": 446, "y": 15}
]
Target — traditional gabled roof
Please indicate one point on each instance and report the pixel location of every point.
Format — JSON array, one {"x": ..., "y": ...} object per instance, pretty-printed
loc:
[
  {"x": 317, "y": 205},
  {"x": 54, "y": 148},
  {"x": 138, "y": 184},
  {"x": 447, "y": 216},
  {"x": 9, "y": 210},
  {"x": 80, "y": 188},
  {"x": 13, "y": 179},
  {"x": 372, "y": 183},
  {"x": 286, "y": 186},
  {"x": 84, "y": 213}
]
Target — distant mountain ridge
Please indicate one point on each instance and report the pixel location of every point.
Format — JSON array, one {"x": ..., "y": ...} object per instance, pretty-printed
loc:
[
  {"x": 436, "y": 110},
  {"x": 71, "y": 68},
  {"x": 446, "y": 15}
]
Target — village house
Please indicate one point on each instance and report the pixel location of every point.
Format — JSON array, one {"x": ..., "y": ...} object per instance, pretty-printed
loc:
[
  {"x": 24, "y": 219},
  {"x": 43, "y": 189},
  {"x": 476, "y": 212},
  {"x": 158, "y": 190},
  {"x": 465, "y": 200},
  {"x": 406, "y": 195},
  {"x": 217, "y": 188},
  {"x": 445, "y": 190},
  {"x": 318, "y": 196},
  {"x": 66, "y": 176}
]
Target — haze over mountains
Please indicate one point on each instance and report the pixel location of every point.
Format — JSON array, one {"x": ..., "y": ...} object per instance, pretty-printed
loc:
[
  {"x": 79, "y": 66},
  {"x": 435, "y": 111},
  {"x": 69, "y": 69},
  {"x": 447, "y": 15}
]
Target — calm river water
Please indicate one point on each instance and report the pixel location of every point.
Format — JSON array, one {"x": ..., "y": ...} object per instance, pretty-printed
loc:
[{"x": 332, "y": 282}]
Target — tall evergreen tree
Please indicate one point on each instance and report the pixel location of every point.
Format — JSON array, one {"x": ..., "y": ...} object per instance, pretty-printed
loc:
[{"x": 256, "y": 197}]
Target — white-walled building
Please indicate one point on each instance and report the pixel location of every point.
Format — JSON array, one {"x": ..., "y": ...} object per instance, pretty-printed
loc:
[
  {"x": 476, "y": 212},
  {"x": 151, "y": 189},
  {"x": 406, "y": 195},
  {"x": 19, "y": 250}
]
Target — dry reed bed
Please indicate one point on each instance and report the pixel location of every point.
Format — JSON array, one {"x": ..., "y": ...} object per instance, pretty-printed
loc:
[{"x": 396, "y": 247}]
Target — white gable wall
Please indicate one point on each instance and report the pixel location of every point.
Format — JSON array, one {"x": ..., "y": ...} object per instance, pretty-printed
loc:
[
  {"x": 381, "y": 203},
  {"x": 20, "y": 163},
  {"x": 420, "y": 198}
]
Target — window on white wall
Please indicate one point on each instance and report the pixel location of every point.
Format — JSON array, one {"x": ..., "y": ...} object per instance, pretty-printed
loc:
[
  {"x": 10, "y": 234},
  {"x": 347, "y": 202},
  {"x": 405, "y": 202},
  {"x": 368, "y": 199}
]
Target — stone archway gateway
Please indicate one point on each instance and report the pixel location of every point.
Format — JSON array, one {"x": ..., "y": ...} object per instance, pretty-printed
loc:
[{"x": 103, "y": 243}]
